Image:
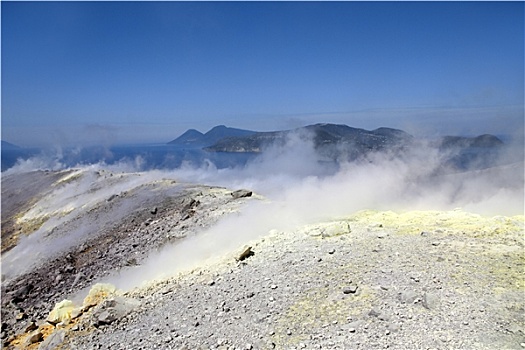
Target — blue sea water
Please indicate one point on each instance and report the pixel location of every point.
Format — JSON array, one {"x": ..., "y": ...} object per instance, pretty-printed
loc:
[{"x": 144, "y": 156}]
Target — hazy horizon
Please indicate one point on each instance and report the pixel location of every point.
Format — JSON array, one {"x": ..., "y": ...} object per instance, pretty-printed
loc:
[
  {"x": 91, "y": 135},
  {"x": 141, "y": 72}
]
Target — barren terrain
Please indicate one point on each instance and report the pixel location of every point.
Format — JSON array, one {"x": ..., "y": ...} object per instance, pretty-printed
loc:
[{"x": 370, "y": 279}]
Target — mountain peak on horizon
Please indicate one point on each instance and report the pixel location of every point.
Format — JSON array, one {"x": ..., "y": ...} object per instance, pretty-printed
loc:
[
  {"x": 219, "y": 127},
  {"x": 227, "y": 129},
  {"x": 196, "y": 138}
]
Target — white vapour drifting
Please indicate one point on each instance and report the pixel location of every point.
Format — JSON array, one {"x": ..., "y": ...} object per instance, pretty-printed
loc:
[
  {"x": 296, "y": 176},
  {"x": 302, "y": 189},
  {"x": 301, "y": 192},
  {"x": 36, "y": 163},
  {"x": 65, "y": 206}
]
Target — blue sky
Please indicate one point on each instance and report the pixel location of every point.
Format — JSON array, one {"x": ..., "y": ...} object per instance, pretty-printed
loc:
[{"x": 145, "y": 72}]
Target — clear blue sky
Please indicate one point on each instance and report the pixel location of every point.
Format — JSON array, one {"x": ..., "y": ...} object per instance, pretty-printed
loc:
[{"x": 141, "y": 71}]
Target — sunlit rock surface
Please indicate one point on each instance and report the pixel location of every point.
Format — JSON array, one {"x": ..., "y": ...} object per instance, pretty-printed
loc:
[
  {"x": 400, "y": 279},
  {"x": 72, "y": 228}
]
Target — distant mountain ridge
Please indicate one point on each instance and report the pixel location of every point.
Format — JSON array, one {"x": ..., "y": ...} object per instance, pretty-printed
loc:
[
  {"x": 331, "y": 140},
  {"x": 483, "y": 141},
  {"x": 338, "y": 141},
  {"x": 191, "y": 136},
  {"x": 195, "y": 138},
  {"x": 7, "y": 146}
]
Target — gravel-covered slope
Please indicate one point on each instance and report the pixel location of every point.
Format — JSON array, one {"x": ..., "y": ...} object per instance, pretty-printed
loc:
[
  {"x": 369, "y": 280},
  {"x": 373, "y": 280},
  {"x": 88, "y": 225}
]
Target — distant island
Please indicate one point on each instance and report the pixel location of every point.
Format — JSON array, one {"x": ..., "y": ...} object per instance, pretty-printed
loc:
[
  {"x": 324, "y": 136},
  {"x": 7, "y": 146},
  {"x": 11, "y": 153},
  {"x": 196, "y": 138},
  {"x": 334, "y": 141},
  {"x": 482, "y": 141}
]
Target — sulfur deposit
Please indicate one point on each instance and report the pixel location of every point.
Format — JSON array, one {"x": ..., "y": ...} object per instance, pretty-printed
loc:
[
  {"x": 423, "y": 279},
  {"x": 366, "y": 281}
]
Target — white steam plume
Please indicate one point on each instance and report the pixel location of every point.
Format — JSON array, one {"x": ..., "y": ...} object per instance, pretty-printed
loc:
[
  {"x": 303, "y": 188},
  {"x": 301, "y": 191}
]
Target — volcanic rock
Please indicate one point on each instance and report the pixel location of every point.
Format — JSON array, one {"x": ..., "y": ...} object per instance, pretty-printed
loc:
[
  {"x": 244, "y": 253},
  {"x": 53, "y": 341},
  {"x": 113, "y": 309},
  {"x": 31, "y": 327},
  {"x": 241, "y": 194},
  {"x": 350, "y": 289},
  {"x": 408, "y": 296},
  {"x": 21, "y": 293},
  {"x": 34, "y": 337},
  {"x": 430, "y": 300}
]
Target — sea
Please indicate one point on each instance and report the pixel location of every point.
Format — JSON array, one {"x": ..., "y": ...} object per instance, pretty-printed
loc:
[
  {"x": 143, "y": 157},
  {"x": 161, "y": 156}
]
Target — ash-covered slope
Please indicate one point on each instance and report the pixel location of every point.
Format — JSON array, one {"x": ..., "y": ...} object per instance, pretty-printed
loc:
[
  {"x": 72, "y": 228},
  {"x": 19, "y": 193},
  {"x": 371, "y": 280}
]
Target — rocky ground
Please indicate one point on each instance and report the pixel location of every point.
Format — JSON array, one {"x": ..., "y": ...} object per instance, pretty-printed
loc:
[
  {"x": 369, "y": 280},
  {"x": 116, "y": 220}
]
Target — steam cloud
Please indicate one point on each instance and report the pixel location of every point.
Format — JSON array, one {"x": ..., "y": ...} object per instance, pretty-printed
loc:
[{"x": 302, "y": 188}]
